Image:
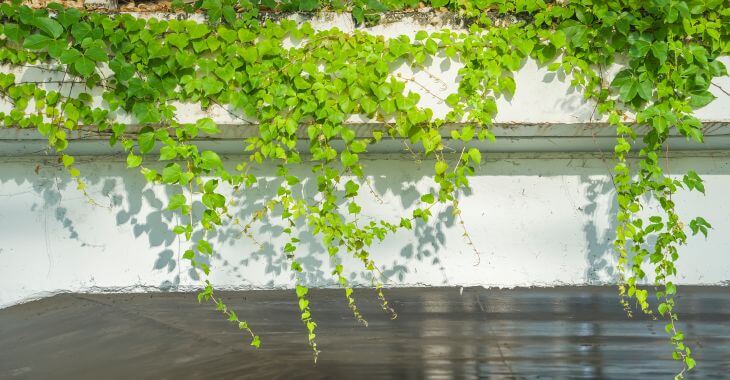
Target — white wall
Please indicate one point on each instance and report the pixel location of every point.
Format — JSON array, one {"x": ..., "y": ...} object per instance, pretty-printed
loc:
[
  {"x": 540, "y": 211},
  {"x": 542, "y": 219}
]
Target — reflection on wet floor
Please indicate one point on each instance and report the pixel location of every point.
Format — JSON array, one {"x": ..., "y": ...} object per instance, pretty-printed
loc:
[{"x": 440, "y": 333}]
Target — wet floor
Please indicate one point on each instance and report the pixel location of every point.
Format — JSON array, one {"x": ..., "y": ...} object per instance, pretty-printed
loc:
[{"x": 440, "y": 333}]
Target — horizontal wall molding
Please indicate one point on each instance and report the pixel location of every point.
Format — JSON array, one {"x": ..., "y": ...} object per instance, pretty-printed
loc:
[{"x": 594, "y": 137}]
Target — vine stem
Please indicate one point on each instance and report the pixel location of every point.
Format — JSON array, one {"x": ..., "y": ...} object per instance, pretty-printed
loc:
[
  {"x": 720, "y": 88},
  {"x": 228, "y": 314},
  {"x": 424, "y": 88},
  {"x": 373, "y": 193},
  {"x": 460, "y": 219}
]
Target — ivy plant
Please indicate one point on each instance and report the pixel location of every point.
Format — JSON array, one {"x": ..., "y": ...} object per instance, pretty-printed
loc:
[{"x": 668, "y": 51}]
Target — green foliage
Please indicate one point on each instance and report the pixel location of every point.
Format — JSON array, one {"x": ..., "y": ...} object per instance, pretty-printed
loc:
[
  {"x": 363, "y": 11},
  {"x": 236, "y": 61}
]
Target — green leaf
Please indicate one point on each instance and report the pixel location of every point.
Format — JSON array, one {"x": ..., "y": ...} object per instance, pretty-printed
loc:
[
  {"x": 210, "y": 185},
  {"x": 176, "y": 201},
  {"x": 693, "y": 181},
  {"x": 623, "y": 77},
  {"x": 122, "y": 70},
  {"x": 81, "y": 30},
  {"x": 308, "y": 5},
  {"x": 354, "y": 208},
  {"x": 545, "y": 53},
  {"x": 639, "y": 45},
  {"x": 177, "y": 40},
  {"x": 358, "y": 146},
  {"x": 146, "y": 140},
  {"x": 381, "y": 91},
  {"x": 441, "y": 167},
  {"x": 292, "y": 180},
  {"x": 358, "y": 14},
  {"x": 351, "y": 188},
  {"x": 214, "y": 201},
  {"x": 189, "y": 254},
  {"x": 645, "y": 89},
  {"x": 368, "y": 105},
  {"x": 628, "y": 91},
  {"x": 301, "y": 83},
  {"x": 204, "y": 247},
  {"x": 431, "y": 46},
  {"x": 96, "y": 54},
  {"x": 475, "y": 155},
  {"x": 67, "y": 16},
  {"x": 133, "y": 160},
  {"x": 700, "y": 99},
  {"x": 348, "y": 159},
  {"x": 301, "y": 291},
  {"x": 56, "y": 48},
  {"x": 207, "y": 125},
  {"x": 507, "y": 85},
  {"x": 146, "y": 113},
  {"x": 212, "y": 86},
  {"x": 558, "y": 39},
  {"x": 577, "y": 33},
  {"x": 167, "y": 153},
  {"x": 12, "y": 31},
  {"x": 453, "y": 99},
  {"x": 84, "y": 66},
  {"x": 250, "y": 54},
  {"x": 691, "y": 363},
  {"x": 67, "y": 160},
  {"x": 210, "y": 160},
  {"x": 171, "y": 173},
  {"x": 467, "y": 133},
  {"x": 699, "y": 224},
  {"x": 659, "y": 50},
  {"x": 49, "y": 26},
  {"x": 185, "y": 59},
  {"x": 406, "y": 223},
  {"x": 37, "y": 42},
  {"x": 428, "y": 198}
]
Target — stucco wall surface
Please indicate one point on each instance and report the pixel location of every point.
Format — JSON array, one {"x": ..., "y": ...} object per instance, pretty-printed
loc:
[
  {"x": 536, "y": 219},
  {"x": 540, "y": 210}
]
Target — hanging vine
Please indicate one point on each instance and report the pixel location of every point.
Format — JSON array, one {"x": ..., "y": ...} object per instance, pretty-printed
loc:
[{"x": 668, "y": 51}]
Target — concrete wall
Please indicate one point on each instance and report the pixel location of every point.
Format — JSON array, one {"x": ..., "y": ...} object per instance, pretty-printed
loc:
[
  {"x": 540, "y": 210},
  {"x": 537, "y": 219}
]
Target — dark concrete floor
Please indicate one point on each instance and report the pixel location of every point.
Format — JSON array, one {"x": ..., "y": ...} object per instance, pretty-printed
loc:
[{"x": 439, "y": 334}]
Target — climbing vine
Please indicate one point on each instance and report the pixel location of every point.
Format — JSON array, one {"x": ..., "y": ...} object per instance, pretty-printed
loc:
[{"x": 238, "y": 60}]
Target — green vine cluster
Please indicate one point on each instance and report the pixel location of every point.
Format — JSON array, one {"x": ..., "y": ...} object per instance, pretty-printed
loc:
[
  {"x": 363, "y": 11},
  {"x": 237, "y": 60}
]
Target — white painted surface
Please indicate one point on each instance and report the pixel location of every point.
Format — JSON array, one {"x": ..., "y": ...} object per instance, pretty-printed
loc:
[{"x": 537, "y": 218}]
